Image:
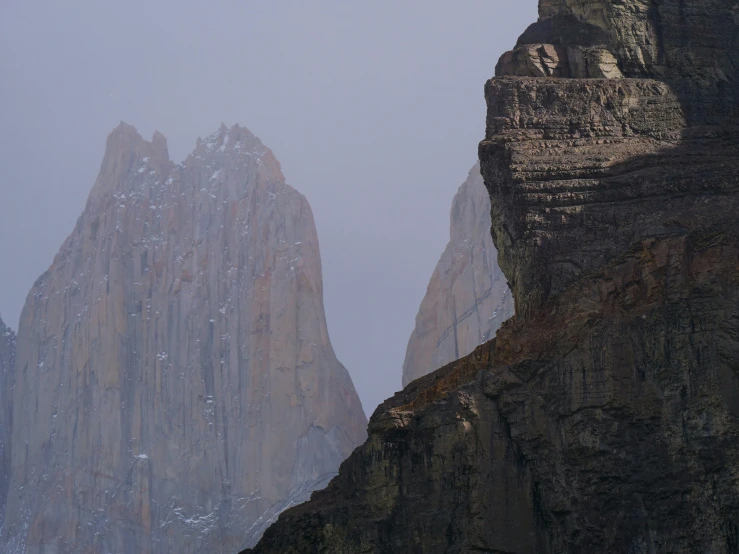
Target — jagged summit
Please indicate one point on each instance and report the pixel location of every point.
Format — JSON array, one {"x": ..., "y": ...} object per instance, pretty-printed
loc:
[
  {"x": 125, "y": 153},
  {"x": 241, "y": 146},
  {"x": 224, "y": 135},
  {"x": 179, "y": 386},
  {"x": 134, "y": 166}
]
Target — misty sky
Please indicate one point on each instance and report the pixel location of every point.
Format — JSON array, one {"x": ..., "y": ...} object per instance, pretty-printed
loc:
[{"x": 374, "y": 110}]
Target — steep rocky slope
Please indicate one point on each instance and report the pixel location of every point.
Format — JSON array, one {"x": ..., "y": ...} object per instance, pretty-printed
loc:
[
  {"x": 175, "y": 379},
  {"x": 604, "y": 417},
  {"x": 467, "y": 298},
  {"x": 7, "y": 365}
]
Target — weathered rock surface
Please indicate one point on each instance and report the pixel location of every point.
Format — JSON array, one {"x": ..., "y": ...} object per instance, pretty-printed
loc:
[
  {"x": 607, "y": 424},
  {"x": 175, "y": 380},
  {"x": 467, "y": 298},
  {"x": 580, "y": 169},
  {"x": 604, "y": 416},
  {"x": 549, "y": 60},
  {"x": 7, "y": 365}
]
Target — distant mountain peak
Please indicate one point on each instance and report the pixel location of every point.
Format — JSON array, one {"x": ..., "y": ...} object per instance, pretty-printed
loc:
[{"x": 180, "y": 382}]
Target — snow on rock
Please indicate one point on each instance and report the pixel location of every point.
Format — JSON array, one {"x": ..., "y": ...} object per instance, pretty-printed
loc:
[{"x": 164, "y": 340}]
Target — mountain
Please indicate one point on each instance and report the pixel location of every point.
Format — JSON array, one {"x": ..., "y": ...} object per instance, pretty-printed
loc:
[
  {"x": 604, "y": 417},
  {"x": 7, "y": 367},
  {"x": 175, "y": 376},
  {"x": 467, "y": 298}
]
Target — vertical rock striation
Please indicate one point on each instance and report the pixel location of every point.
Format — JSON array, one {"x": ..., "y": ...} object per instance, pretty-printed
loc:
[
  {"x": 604, "y": 417},
  {"x": 175, "y": 379},
  {"x": 467, "y": 298},
  {"x": 7, "y": 366}
]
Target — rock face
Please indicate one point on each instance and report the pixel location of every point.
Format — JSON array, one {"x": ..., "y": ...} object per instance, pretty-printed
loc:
[
  {"x": 175, "y": 379},
  {"x": 467, "y": 298},
  {"x": 604, "y": 417},
  {"x": 7, "y": 366},
  {"x": 580, "y": 169}
]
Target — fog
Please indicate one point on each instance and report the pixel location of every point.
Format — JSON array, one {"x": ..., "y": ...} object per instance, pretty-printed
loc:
[{"x": 374, "y": 110}]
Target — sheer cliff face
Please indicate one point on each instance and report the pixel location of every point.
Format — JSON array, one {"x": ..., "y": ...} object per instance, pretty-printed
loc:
[
  {"x": 604, "y": 417},
  {"x": 175, "y": 377},
  {"x": 7, "y": 365},
  {"x": 580, "y": 169},
  {"x": 467, "y": 298}
]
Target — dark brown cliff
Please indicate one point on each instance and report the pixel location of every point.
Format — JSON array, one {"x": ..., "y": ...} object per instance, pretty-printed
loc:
[{"x": 605, "y": 416}]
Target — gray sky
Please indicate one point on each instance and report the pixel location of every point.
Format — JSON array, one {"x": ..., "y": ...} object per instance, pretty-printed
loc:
[{"x": 374, "y": 110}]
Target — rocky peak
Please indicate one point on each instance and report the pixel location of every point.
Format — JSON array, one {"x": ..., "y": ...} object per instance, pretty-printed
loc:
[
  {"x": 127, "y": 156},
  {"x": 179, "y": 385},
  {"x": 467, "y": 298},
  {"x": 229, "y": 152},
  {"x": 231, "y": 141}
]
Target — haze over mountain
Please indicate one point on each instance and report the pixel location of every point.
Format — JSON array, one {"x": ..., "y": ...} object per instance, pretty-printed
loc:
[
  {"x": 374, "y": 109},
  {"x": 175, "y": 383},
  {"x": 467, "y": 298}
]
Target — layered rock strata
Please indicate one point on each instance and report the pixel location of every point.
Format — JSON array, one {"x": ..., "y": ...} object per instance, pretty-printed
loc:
[
  {"x": 604, "y": 416},
  {"x": 467, "y": 298},
  {"x": 175, "y": 379},
  {"x": 581, "y": 168},
  {"x": 7, "y": 366}
]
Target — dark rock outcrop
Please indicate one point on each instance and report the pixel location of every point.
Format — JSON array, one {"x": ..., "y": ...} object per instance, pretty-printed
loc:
[
  {"x": 580, "y": 169},
  {"x": 467, "y": 298},
  {"x": 175, "y": 380},
  {"x": 604, "y": 417},
  {"x": 578, "y": 431},
  {"x": 7, "y": 366}
]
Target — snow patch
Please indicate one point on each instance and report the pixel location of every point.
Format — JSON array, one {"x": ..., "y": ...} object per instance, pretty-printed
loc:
[{"x": 225, "y": 142}]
